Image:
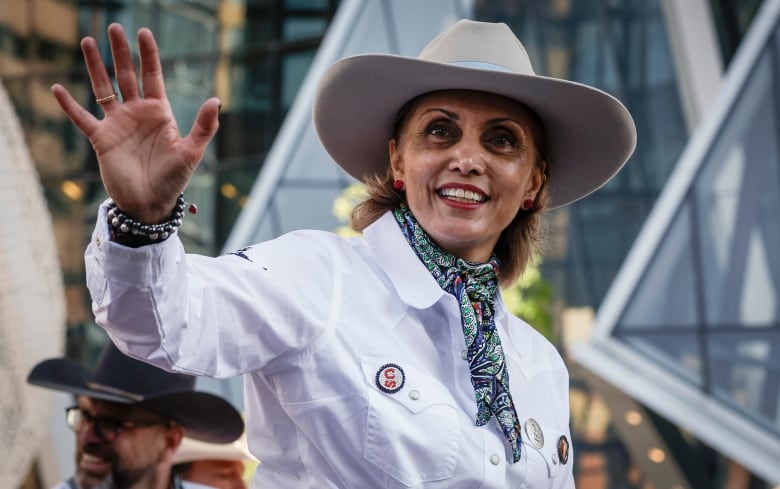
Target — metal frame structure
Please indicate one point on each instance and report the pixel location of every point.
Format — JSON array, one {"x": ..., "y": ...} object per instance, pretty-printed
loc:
[{"x": 693, "y": 407}]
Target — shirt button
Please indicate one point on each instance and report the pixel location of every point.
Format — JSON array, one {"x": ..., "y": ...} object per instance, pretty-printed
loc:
[
  {"x": 494, "y": 459},
  {"x": 464, "y": 354},
  {"x": 555, "y": 459},
  {"x": 414, "y": 395}
]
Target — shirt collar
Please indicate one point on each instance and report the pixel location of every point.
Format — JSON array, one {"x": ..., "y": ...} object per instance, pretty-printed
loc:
[
  {"x": 413, "y": 283},
  {"x": 411, "y": 280}
]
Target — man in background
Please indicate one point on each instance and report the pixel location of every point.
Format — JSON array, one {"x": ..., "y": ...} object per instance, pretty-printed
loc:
[{"x": 130, "y": 417}]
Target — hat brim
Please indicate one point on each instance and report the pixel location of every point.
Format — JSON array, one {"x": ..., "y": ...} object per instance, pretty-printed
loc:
[
  {"x": 192, "y": 450},
  {"x": 205, "y": 417},
  {"x": 590, "y": 134}
]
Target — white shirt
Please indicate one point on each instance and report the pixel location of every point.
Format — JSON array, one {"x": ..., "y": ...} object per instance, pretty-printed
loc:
[{"x": 312, "y": 319}]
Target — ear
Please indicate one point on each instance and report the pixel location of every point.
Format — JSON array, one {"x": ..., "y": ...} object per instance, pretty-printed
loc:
[
  {"x": 536, "y": 180},
  {"x": 173, "y": 436},
  {"x": 396, "y": 161}
]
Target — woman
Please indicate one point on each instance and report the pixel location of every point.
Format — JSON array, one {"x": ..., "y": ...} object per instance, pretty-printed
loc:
[{"x": 387, "y": 360}]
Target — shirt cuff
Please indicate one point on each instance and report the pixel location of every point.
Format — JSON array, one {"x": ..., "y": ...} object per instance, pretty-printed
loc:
[{"x": 140, "y": 267}]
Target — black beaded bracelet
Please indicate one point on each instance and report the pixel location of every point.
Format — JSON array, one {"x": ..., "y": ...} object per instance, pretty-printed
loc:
[{"x": 122, "y": 224}]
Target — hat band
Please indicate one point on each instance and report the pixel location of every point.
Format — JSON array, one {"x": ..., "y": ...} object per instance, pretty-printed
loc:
[
  {"x": 112, "y": 390},
  {"x": 480, "y": 65}
]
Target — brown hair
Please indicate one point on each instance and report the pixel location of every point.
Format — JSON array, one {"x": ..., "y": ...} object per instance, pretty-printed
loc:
[{"x": 517, "y": 244}]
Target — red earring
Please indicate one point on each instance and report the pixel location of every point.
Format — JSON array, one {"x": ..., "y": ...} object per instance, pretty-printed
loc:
[
  {"x": 398, "y": 184},
  {"x": 528, "y": 204}
]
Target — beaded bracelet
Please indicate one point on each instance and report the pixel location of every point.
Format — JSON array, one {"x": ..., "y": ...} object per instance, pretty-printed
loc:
[{"x": 122, "y": 224}]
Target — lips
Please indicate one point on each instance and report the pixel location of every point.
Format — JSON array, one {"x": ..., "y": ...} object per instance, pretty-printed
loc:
[
  {"x": 469, "y": 195},
  {"x": 462, "y": 195},
  {"x": 94, "y": 463}
]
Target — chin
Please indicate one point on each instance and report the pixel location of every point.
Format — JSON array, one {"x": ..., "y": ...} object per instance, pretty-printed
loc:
[{"x": 90, "y": 481}]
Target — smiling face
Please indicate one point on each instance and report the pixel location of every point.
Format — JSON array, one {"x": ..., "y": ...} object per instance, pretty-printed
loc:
[
  {"x": 139, "y": 457},
  {"x": 468, "y": 161}
]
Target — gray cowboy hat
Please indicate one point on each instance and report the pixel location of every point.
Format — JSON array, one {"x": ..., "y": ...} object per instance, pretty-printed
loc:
[
  {"x": 590, "y": 134},
  {"x": 121, "y": 379}
]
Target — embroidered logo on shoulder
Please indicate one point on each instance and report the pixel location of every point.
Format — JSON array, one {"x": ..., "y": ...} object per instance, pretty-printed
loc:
[
  {"x": 242, "y": 253},
  {"x": 390, "y": 378}
]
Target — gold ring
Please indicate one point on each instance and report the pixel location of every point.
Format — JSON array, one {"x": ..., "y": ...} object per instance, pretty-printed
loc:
[{"x": 105, "y": 100}]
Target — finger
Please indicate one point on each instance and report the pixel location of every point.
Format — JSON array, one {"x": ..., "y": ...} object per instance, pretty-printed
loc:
[
  {"x": 98, "y": 76},
  {"x": 151, "y": 70},
  {"x": 203, "y": 129},
  {"x": 123, "y": 62},
  {"x": 86, "y": 122}
]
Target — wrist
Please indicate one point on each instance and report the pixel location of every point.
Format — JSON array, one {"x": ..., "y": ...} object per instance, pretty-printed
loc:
[{"x": 129, "y": 231}]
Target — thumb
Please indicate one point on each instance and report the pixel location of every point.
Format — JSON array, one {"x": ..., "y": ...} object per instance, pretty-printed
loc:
[{"x": 203, "y": 129}]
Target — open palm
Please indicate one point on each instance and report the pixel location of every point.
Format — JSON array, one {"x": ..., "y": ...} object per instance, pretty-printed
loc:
[{"x": 144, "y": 161}]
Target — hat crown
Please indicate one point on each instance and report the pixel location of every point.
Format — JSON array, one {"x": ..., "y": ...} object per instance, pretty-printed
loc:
[
  {"x": 124, "y": 376},
  {"x": 483, "y": 45}
]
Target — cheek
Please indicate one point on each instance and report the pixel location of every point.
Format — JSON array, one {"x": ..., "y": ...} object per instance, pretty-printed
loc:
[
  {"x": 427, "y": 173},
  {"x": 140, "y": 452},
  {"x": 518, "y": 178}
]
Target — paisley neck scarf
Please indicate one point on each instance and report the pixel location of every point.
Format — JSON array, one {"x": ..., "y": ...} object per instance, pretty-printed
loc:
[{"x": 474, "y": 285}]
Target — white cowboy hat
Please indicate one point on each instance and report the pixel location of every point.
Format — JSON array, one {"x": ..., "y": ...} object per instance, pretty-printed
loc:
[
  {"x": 191, "y": 450},
  {"x": 590, "y": 134}
]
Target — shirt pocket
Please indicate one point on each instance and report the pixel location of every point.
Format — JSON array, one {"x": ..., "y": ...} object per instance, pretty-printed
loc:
[
  {"x": 413, "y": 431},
  {"x": 544, "y": 463}
]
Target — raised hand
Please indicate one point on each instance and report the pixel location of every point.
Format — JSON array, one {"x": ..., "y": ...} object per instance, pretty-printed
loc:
[{"x": 144, "y": 161}]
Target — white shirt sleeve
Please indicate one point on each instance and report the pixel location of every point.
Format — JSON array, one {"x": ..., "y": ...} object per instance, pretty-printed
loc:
[{"x": 215, "y": 316}]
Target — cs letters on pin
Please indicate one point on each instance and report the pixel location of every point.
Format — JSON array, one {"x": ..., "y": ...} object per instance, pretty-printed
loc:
[{"x": 390, "y": 378}]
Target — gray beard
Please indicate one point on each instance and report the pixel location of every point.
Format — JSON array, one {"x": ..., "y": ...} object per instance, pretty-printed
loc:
[
  {"x": 132, "y": 479},
  {"x": 123, "y": 481},
  {"x": 107, "y": 483}
]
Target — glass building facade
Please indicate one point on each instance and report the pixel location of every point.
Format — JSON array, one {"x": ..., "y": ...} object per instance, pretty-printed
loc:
[
  {"x": 697, "y": 300},
  {"x": 252, "y": 54}
]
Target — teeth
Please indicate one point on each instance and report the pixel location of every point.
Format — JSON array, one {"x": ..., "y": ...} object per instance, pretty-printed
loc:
[
  {"x": 91, "y": 458},
  {"x": 460, "y": 193}
]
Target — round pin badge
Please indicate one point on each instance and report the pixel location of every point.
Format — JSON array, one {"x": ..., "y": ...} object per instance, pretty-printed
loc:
[
  {"x": 390, "y": 378},
  {"x": 534, "y": 433},
  {"x": 563, "y": 449}
]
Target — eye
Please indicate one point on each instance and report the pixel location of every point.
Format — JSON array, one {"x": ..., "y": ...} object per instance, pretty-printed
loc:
[
  {"x": 111, "y": 424},
  {"x": 502, "y": 139},
  {"x": 439, "y": 130},
  {"x": 505, "y": 140}
]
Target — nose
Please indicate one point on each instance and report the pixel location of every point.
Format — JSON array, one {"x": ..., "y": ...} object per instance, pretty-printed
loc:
[
  {"x": 89, "y": 433},
  {"x": 468, "y": 157}
]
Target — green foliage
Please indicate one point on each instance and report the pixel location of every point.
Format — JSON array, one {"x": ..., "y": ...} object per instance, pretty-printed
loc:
[
  {"x": 529, "y": 298},
  {"x": 343, "y": 205}
]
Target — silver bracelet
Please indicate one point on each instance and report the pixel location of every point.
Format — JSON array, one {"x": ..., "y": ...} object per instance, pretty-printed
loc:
[{"x": 121, "y": 223}]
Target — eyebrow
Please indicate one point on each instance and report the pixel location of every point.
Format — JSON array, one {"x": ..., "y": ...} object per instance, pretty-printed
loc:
[
  {"x": 450, "y": 114},
  {"x": 455, "y": 117}
]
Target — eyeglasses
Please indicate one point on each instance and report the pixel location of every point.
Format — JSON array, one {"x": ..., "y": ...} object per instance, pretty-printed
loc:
[{"x": 107, "y": 427}]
